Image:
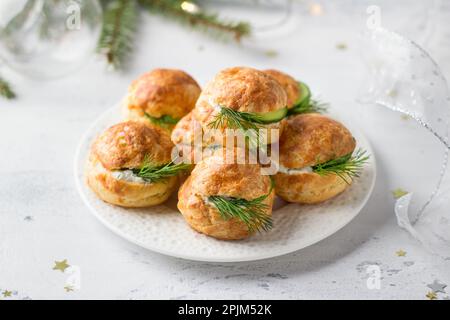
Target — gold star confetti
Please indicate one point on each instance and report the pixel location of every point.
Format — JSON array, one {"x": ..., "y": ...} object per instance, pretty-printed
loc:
[
  {"x": 271, "y": 53},
  {"x": 398, "y": 193},
  {"x": 400, "y": 253},
  {"x": 7, "y": 293},
  {"x": 61, "y": 265},
  {"x": 431, "y": 295},
  {"x": 315, "y": 9},
  {"x": 68, "y": 288},
  {"x": 405, "y": 117},
  {"x": 392, "y": 93},
  {"x": 341, "y": 46}
]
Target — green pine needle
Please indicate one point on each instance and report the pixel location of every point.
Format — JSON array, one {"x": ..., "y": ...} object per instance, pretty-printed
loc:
[
  {"x": 165, "y": 121},
  {"x": 5, "y": 90},
  {"x": 251, "y": 212},
  {"x": 119, "y": 25},
  {"x": 348, "y": 166},
  {"x": 120, "y": 18},
  {"x": 197, "y": 18},
  {"x": 152, "y": 172}
]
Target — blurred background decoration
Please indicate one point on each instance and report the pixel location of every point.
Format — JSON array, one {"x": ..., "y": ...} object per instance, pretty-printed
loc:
[
  {"x": 47, "y": 39},
  {"x": 404, "y": 78},
  {"x": 51, "y": 38},
  {"x": 120, "y": 21}
]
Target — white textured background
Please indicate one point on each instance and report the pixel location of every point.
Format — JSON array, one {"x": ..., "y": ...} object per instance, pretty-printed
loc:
[{"x": 42, "y": 218}]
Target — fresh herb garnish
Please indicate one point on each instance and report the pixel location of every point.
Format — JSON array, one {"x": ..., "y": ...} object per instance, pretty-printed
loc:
[
  {"x": 313, "y": 106},
  {"x": 164, "y": 121},
  {"x": 251, "y": 212},
  {"x": 306, "y": 104},
  {"x": 346, "y": 167},
  {"x": 152, "y": 172},
  {"x": 236, "y": 120},
  {"x": 248, "y": 122}
]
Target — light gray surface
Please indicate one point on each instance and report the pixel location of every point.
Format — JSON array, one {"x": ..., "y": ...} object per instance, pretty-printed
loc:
[{"x": 42, "y": 218}]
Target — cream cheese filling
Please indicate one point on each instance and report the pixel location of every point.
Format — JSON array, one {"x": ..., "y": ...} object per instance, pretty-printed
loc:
[
  {"x": 292, "y": 171},
  {"x": 127, "y": 175},
  {"x": 214, "y": 105}
]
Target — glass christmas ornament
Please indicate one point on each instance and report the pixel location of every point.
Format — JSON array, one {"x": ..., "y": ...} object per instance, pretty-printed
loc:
[{"x": 48, "y": 38}]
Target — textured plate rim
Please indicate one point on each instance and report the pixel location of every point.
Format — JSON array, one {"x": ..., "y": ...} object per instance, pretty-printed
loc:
[{"x": 288, "y": 250}]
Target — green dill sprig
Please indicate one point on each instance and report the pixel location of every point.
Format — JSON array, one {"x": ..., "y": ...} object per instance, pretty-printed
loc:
[
  {"x": 252, "y": 212},
  {"x": 236, "y": 120},
  {"x": 5, "y": 90},
  {"x": 313, "y": 106},
  {"x": 165, "y": 121},
  {"x": 119, "y": 25},
  {"x": 248, "y": 122},
  {"x": 306, "y": 104},
  {"x": 348, "y": 166},
  {"x": 152, "y": 172},
  {"x": 190, "y": 13}
]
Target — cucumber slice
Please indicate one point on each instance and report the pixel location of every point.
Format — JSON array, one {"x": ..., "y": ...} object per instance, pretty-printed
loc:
[
  {"x": 272, "y": 116},
  {"x": 164, "y": 121},
  {"x": 304, "y": 100}
]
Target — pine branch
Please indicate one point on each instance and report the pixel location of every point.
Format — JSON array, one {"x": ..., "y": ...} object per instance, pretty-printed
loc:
[
  {"x": 188, "y": 12},
  {"x": 119, "y": 26},
  {"x": 5, "y": 90},
  {"x": 346, "y": 167}
]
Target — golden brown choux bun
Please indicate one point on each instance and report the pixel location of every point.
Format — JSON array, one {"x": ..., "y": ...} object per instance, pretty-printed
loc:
[
  {"x": 289, "y": 84},
  {"x": 187, "y": 136},
  {"x": 161, "y": 93},
  {"x": 184, "y": 130},
  {"x": 308, "y": 140},
  {"x": 120, "y": 149},
  {"x": 241, "y": 89},
  {"x": 213, "y": 176}
]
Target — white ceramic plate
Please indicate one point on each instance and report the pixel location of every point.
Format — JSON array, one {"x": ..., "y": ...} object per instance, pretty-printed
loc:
[{"x": 162, "y": 228}]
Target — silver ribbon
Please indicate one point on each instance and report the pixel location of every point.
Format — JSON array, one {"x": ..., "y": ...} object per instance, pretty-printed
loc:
[{"x": 405, "y": 79}]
